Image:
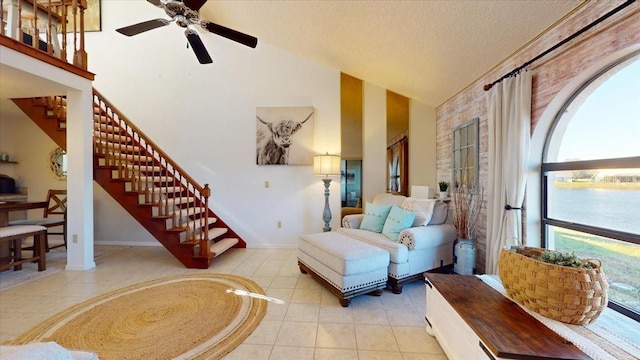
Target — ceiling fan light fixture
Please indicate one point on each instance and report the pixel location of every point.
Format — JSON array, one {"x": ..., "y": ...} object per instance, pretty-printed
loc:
[{"x": 185, "y": 13}]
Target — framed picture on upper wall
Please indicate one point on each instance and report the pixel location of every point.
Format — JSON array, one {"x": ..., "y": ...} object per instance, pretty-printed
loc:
[
  {"x": 284, "y": 135},
  {"x": 92, "y": 18}
]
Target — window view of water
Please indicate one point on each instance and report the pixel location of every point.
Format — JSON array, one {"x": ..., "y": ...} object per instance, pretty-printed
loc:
[
  {"x": 607, "y": 208},
  {"x": 594, "y": 178}
]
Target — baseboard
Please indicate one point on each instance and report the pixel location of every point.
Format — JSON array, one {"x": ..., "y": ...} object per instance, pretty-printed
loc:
[
  {"x": 127, "y": 243},
  {"x": 272, "y": 246},
  {"x": 154, "y": 243}
]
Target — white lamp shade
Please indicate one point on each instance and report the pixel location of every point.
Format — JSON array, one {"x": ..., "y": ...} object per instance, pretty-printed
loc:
[{"x": 326, "y": 165}]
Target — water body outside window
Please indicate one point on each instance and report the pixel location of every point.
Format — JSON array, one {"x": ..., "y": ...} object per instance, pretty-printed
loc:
[{"x": 593, "y": 180}]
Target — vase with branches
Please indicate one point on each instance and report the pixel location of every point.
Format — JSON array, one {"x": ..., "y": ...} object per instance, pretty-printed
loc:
[{"x": 467, "y": 204}]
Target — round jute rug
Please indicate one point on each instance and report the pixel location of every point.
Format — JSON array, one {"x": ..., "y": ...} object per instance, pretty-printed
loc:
[{"x": 181, "y": 317}]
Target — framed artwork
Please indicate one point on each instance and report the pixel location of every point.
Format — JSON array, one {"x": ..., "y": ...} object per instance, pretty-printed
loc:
[
  {"x": 92, "y": 18},
  {"x": 284, "y": 135},
  {"x": 464, "y": 143}
]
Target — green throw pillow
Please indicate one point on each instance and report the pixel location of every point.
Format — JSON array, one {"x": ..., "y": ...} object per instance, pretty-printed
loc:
[
  {"x": 374, "y": 217},
  {"x": 397, "y": 221}
]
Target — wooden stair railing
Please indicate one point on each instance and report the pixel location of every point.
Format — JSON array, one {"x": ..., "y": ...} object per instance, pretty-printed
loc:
[
  {"x": 157, "y": 192},
  {"x": 37, "y": 22}
]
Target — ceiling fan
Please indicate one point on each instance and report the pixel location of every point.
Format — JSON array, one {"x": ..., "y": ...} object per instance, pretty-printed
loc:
[{"x": 185, "y": 13}]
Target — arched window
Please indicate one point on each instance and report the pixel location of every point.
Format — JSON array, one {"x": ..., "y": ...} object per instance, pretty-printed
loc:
[{"x": 590, "y": 182}]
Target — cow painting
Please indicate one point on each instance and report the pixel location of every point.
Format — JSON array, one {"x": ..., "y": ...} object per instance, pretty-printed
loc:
[{"x": 284, "y": 136}]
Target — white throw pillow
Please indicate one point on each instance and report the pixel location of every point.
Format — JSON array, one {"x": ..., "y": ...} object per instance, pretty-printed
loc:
[
  {"x": 440, "y": 212},
  {"x": 388, "y": 199},
  {"x": 423, "y": 208}
]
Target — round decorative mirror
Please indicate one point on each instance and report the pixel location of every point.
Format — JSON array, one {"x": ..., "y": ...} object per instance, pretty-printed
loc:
[{"x": 58, "y": 163}]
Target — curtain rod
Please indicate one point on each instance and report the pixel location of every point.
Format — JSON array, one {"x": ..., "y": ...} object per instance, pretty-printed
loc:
[{"x": 574, "y": 35}]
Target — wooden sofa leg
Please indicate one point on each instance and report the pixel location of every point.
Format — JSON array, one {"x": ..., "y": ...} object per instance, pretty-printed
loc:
[
  {"x": 345, "y": 302},
  {"x": 396, "y": 287},
  {"x": 376, "y": 292}
]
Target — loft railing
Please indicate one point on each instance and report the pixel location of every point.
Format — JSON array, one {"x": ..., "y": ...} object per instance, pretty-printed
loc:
[
  {"x": 43, "y": 24},
  {"x": 152, "y": 172}
]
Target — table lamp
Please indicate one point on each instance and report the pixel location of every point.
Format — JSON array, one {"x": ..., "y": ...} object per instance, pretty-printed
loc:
[{"x": 326, "y": 165}]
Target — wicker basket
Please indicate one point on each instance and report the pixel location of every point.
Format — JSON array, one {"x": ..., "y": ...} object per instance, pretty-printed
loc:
[{"x": 571, "y": 295}]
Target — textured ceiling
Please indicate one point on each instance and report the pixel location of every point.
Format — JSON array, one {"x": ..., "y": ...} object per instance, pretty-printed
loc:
[{"x": 426, "y": 50}]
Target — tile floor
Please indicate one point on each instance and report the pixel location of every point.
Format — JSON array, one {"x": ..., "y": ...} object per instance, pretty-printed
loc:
[{"x": 310, "y": 325}]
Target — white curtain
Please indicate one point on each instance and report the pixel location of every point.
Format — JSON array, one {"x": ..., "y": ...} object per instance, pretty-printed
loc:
[{"x": 509, "y": 117}]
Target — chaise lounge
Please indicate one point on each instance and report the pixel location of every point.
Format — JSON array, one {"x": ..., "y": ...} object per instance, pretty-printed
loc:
[
  {"x": 395, "y": 241},
  {"x": 425, "y": 245}
]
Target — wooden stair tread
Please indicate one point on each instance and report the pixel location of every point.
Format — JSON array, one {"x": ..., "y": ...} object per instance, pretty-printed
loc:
[
  {"x": 223, "y": 245},
  {"x": 113, "y": 137},
  {"x": 217, "y": 232},
  {"x": 128, "y": 157},
  {"x": 196, "y": 224},
  {"x": 220, "y": 247},
  {"x": 213, "y": 234},
  {"x": 145, "y": 168},
  {"x": 161, "y": 179},
  {"x": 190, "y": 211},
  {"x": 181, "y": 200}
]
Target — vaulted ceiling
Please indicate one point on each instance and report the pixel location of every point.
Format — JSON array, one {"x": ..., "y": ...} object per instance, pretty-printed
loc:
[{"x": 426, "y": 50}]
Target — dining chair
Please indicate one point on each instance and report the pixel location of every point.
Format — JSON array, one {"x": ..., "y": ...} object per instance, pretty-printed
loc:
[{"x": 54, "y": 216}]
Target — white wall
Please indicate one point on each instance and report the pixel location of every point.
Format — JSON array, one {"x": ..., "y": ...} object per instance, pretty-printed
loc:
[
  {"x": 32, "y": 170},
  {"x": 203, "y": 116},
  {"x": 8, "y": 144}
]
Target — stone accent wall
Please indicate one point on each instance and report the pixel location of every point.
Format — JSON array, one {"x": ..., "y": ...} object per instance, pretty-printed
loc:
[{"x": 550, "y": 74}]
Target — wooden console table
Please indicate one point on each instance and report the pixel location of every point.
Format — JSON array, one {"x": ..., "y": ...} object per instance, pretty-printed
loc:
[{"x": 471, "y": 320}]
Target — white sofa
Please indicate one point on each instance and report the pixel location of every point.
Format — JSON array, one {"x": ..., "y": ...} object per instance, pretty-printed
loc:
[{"x": 418, "y": 248}]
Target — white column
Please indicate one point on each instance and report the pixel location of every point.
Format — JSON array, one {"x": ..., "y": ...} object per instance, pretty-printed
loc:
[{"x": 80, "y": 180}]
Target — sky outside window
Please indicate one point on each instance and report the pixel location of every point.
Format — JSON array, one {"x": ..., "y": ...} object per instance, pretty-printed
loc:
[{"x": 607, "y": 124}]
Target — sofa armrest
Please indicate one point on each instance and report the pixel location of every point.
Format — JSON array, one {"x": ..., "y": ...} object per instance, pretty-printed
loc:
[
  {"x": 422, "y": 237},
  {"x": 352, "y": 221}
]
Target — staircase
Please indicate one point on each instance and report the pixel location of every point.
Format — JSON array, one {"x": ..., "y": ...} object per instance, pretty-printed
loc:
[{"x": 159, "y": 194}]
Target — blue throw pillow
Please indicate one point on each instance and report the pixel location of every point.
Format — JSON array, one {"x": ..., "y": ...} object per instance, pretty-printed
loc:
[
  {"x": 397, "y": 220},
  {"x": 374, "y": 217}
]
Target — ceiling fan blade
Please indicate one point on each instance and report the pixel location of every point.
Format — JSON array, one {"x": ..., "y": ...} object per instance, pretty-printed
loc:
[
  {"x": 198, "y": 47},
  {"x": 143, "y": 26},
  {"x": 231, "y": 34},
  {"x": 157, "y": 3},
  {"x": 194, "y": 5}
]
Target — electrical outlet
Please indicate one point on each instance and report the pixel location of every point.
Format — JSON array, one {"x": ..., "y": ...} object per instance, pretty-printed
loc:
[
  {"x": 74, "y": 238},
  {"x": 279, "y": 224},
  {"x": 266, "y": 184}
]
